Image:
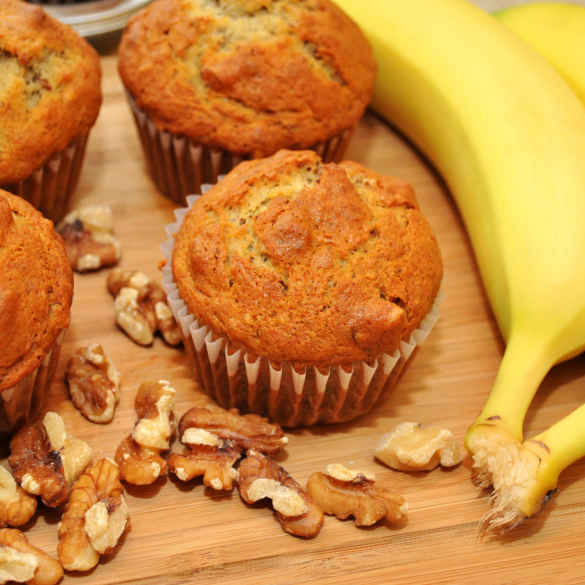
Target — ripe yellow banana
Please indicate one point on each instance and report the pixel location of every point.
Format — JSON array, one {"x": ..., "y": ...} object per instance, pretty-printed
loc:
[
  {"x": 508, "y": 136},
  {"x": 557, "y": 31}
]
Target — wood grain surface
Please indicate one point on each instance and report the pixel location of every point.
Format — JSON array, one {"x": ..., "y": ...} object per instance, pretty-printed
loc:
[{"x": 186, "y": 533}]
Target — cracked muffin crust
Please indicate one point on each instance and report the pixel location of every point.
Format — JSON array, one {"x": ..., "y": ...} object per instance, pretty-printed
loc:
[
  {"x": 310, "y": 263},
  {"x": 249, "y": 76},
  {"x": 49, "y": 88}
]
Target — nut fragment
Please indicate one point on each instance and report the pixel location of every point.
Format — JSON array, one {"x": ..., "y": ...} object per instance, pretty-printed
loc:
[
  {"x": 141, "y": 307},
  {"x": 138, "y": 456},
  {"x": 217, "y": 439},
  {"x": 94, "y": 383},
  {"x": 22, "y": 562},
  {"x": 261, "y": 477},
  {"x": 94, "y": 519},
  {"x": 16, "y": 506},
  {"x": 88, "y": 238},
  {"x": 345, "y": 492},
  {"x": 412, "y": 447},
  {"x": 248, "y": 431},
  {"x": 210, "y": 456},
  {"x": 131, "y": 318},
  {"x": 46, "y": 460}
]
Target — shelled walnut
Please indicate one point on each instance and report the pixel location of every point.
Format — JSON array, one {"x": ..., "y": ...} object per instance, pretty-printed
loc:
[
  {"x": 17, "y": 506},
  {"x": 88, "y": 238},
  {"x": 210, "y": 456},
  {"x": 261, "y": 477},
  {"x": 139, "y": 454},
  {"x": 217, "y": 439},
  {"x": 22, "y": 562},
  {"x": 94, "y": 519},
  {"x": 141, "y": 307},
  {"x": 46, "y": 460},
  {"x": 344, "y": 492},
  {"x": 412, "y": 447},
  {"x": 94, "y": 383},
  {"x": 248, "y": 431}
]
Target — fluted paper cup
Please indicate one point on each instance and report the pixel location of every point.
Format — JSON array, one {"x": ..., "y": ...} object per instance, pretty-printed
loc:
[
  {"x": 50, "y": 186},
  {"x": 237, "y": 379},
  {"x": 23, "y": 402},
  {"x": 180, "y": 166}
]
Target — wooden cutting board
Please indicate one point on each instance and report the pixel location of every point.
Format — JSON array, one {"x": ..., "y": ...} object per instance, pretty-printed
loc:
[{"x": 186, "y": 533}]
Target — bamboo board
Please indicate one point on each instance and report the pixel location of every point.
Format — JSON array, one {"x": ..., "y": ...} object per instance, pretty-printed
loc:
[{"x": 186, "y": 533}]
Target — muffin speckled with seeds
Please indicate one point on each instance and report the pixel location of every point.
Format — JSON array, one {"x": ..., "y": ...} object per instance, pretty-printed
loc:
[
  {"x": 305, "y": 285},
  {"x": 49, "y": 99},
  {"x": 213, "y": 82}
]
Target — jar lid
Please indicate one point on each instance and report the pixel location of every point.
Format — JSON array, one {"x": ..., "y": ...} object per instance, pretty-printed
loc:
[{"x": 91, "y": 19}]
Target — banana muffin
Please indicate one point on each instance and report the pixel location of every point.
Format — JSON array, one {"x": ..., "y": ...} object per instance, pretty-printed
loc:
[
  {"x": 213, "y": 82},
  {"x": 49, "y": 99},
  {"x": 305, "y": 286},
  {"x": 36, "y": 291}
]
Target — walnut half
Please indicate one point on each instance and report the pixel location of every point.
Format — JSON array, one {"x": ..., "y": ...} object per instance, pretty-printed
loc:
[
  {"x": 94, "y": 383},
  {"x": 139, "y": 455},
  {"x": 17, "y": 507},
  {"x": 94, "y": 519},
  {"x": 412, "y": 447},
  {"x": 87, "y": 235},
  {"x": 261, "y": 477},
  {"x": 46, "y": 460},
  {"x": 343, "y": 492},
  {"x": 217, "y": 439},
  {"x": 141, "y": 307},
  {"x": 22, "y": 562}
]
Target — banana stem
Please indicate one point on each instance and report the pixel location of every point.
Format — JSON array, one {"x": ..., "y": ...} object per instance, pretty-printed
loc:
[
  {"x": 524, "y": 365},
  {"x": 565, "y": 440}
]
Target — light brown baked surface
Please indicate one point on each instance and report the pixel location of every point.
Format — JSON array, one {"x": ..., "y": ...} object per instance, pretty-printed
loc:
[
  {"x": 36, "y": 288},
  {"x": 310, "y": 263},
  {"x": 251, "y": 76},
  {"x": 49, "y": 88}
]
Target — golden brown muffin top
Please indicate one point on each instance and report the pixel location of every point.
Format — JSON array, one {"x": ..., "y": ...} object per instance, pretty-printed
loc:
[
  {"x": 49, "y": 88},
  {"x": 252, "y": 76},
  {"x": 36, "y": 288},
  {"x": 312, "y": 263}
]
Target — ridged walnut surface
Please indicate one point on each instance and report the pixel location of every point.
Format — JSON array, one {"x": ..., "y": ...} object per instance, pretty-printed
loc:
[
  {"x": 251, "y": 76},
  {"x": 49, "y": 88},
  {"x": 36, "y": 288},
  {"x": 309, "y": 263}
]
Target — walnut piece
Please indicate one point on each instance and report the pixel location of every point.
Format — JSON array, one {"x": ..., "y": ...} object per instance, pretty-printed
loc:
[
  {"x": 46, "y": 460},
  {"x": 17, "y": 507},
  {"x": 261, "y": 477},
  {"x": 22, "y": 562},
  {"x": 141, "y": 307},
  {"x": 248, "y": 431},
  {"x": 210, "y": 456},
  {"x": 412, "y": 447},
  {"x": 94, "y": 519},
  {"x": 88, "y": 238},
  {"x": 345, "y": 492},
  {"x": 139, "y": 455},
  {"x": 94, "y": 383},
  {"x": 217, "y": 439}
]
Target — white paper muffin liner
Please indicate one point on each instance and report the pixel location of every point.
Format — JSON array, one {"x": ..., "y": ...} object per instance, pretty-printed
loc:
[
  {"x": 278, "y": 391},
  {"x": 22, "y": 403},
  {"x": 180, "y": 166},
  {"x": 50, "y": 186}
]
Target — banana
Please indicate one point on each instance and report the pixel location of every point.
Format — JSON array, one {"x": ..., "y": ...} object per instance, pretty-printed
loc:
[
  {"x": 557, "y": 31},
  {"x": 508, "y": 136}
]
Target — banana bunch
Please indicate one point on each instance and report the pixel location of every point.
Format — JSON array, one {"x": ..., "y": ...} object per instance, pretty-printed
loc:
[
  {"x": 557, "y": 31},
  {"x": 508, "y": 136}
]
